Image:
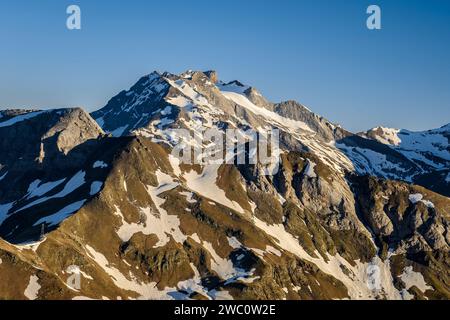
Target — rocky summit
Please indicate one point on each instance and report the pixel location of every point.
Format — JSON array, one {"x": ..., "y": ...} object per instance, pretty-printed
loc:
[{"x": 95, "y": 206}]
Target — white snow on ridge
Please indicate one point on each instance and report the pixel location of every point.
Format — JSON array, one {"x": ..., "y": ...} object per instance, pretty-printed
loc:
[
  {"x": 188, "y": 91},
  {"x": 225, "y": 268},
  {"x": 427, "y": 149},
  {"x": 3, "y": 176},
  {"x": 388, "y": 136},
  {"x": 418, "y": 197},
  {"x": 180, "y": 101},
  {"x": 153, "y": 86},
  {"x": 32, "y": 290},
  {"x": 33, "y": 245},
  {"x": 21, "y": 118},
  {"x": 150, "y": 290},
  {"x": 266, "y": 114},
  {"x": 95, "y": 187},
  {"x": 82, "y": 298},
  {"x": 4, "y": 209}
]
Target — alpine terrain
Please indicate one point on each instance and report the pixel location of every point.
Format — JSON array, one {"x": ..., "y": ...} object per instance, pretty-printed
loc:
[{"x": 96, "y": 206}]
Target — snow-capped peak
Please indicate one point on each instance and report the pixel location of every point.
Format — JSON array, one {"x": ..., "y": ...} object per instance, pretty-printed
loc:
[{"x": 384, "y": 135}]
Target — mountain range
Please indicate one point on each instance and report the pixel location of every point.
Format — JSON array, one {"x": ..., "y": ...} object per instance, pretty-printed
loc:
[{"x": 100, "y": 196}]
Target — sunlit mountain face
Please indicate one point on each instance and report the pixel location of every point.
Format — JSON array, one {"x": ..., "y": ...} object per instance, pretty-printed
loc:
[{"x": 99, "y": 206}]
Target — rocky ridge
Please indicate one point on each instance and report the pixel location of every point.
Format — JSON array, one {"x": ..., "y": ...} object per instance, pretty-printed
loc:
[{"x": 138, "y": 224}]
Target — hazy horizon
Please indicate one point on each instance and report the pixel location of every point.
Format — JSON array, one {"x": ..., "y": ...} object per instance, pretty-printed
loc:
[{"x": 319, "y": 53}]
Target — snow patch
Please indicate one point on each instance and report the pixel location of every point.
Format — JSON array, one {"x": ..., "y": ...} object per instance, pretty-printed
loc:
[
  {"x": 95, "y": 187},
  {"x": 146, "y": 290},
  {"x": 160, "y": 223},
  {"x": 99, "y": 164},
  {"x": 189, "y": 197},
  {"x": 356, "y": 281},
  {"x": 234, "y": 243},
  {"x": 100, "y": 121},
  {"x": 205, "y": 184},
  {"x": 272, "y": 117},
  {"x": 412, "y": 278},
  {"x": 175, "y": 163},
  {"x": 32, "y": 290},
  {"x": 418, "y": 197},
  {"x": 166, "y": 111},
  {"x": 309, "y": 171},
  {"x": 189, "y": 92},
  {"x": 36, "y": 189}
]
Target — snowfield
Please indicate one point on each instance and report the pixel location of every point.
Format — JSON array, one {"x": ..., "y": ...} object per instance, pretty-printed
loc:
[
  {"x": 205, "y": 184},
  {"x": 271, "y": 117}
]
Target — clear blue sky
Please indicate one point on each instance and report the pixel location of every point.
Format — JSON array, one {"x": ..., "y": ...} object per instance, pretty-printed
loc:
[{"x": 317, "y": 52}]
